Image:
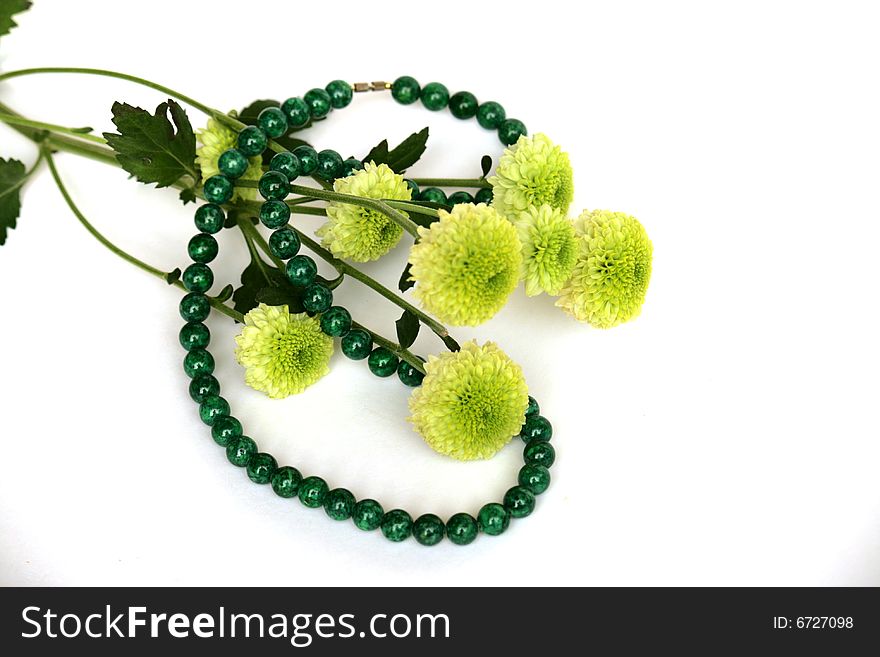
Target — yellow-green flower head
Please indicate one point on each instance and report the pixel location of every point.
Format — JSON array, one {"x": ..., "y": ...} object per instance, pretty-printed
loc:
[
  {"x": 215, "y": 139},
  {"x": 613, "y": 269},
  {"x": 549, "y": 249},
  {"x": 283, "y": 354},
  {"x": 362, "y": 234},
  {"x": 466, "y": 264},
  {"x": 533, "y": 171},
  {"x": 471, "y": 402}
]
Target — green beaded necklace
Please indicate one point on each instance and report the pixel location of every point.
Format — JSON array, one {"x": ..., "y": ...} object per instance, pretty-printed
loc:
[{"x": 317, "y": 298}]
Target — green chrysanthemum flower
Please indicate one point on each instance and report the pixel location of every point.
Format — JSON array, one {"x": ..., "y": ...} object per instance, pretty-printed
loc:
[
  {"x": 216, "y": 138},
  {"x": 283, "y": 354},
  {"x": 613, "y": 269},
  {"x": 466, "y": 264},
  {"x": 471, "y": 402},
  {"x": 549, "y": 249},
  {"x": 533, "y": 171},
  {"x": 362, "y": 234}
]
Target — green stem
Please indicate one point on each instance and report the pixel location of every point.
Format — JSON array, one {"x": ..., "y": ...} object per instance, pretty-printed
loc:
[
  {"x": 39, "y": 125},
  {"x": 252, "y": 235},
  {"x": 413, "y": 207},
  {"x": 393, "y": 347},
  {"x": 319, "y": 212},
  {"x": 450, "y": 182}
]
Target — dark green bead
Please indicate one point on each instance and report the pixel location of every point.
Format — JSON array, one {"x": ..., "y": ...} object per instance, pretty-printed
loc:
[
  {"x": 312, "y": 491},
  {"x": 533, "y": 408},
  {"x": 357, "y": 344},
  {"x": 203, "y": 248},
  {"x": 274, "y": 186},
  {"x": 212, "y": 407},
  {"x": 317, "y": 298},
  {"x": 226, "y": 429},
  {"x": 491, "y": 115},
  {"x": 339, "y": 504},
  {"x": 367, "y": 515},
  {"x": 286, "y": 163},
  {"x": 285, "y": 481},
  {"x": 202, "y": 386},
  {"x": 519, "y": 502},
  {"x": 240, "y": 450},
  {"x": 218, "y": 189},
  {"x": 273, "y": 122},
  {"x": 274, "y": 214},
  {"x": 252, "y": 141},
  {"x": 463, "y": 105},
  {"x": 539, "y": 452},
  {"x": 210, "y": 218},
  {"x": 301, "y": 270},
  {"x": 405, "y": 90},
  {"x": 534, "y": 477},
  {"x": 329, "y": 164},
  {"x": 198, "y": 277},
  {"x": 318, "y": 101},
  {"x": 493, "y": 519},
  {"x": 460, "y": 197},
  {"x": 297, "y": 112},
  {"x": 284, "y": 243},
  {"x": 336, "y": 322},
  {"x": 484, "y": 196},
  {"x": 433, "y": 195},
  {"x": 198, "y": 361},
  {"x": 461, "y": 529},
  {"x": 537, "y": 427},
  {"x": 194, "y": 335},
  {"x": 397, "y": 525},
  {"x": 261, "y": 467},
  {"x": 413, "y": 188},
  {"x": 382, "y": 362},
  {"x": 232, "y": 163},
  {"x": 350, "y": 165},
  {"x": 409, "y": 375},
  {"x": 510, "y": 130},
  {"x": 308, "y": 159},
  {"x": 194, "y": 307},
  {"x": 340, "y": 93},
  {"x": 428, "y": 529},
  {"x": 435, "y": 96}
]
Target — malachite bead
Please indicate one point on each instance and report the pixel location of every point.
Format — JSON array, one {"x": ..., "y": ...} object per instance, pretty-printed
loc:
[
  {"x": 202, "y": 386},
  {"x": 198, "y": 361},
  {"x": 397, "y": 525},
  {"x": 274, "y": 186},
  {"x": 301, "y": 270},
  {"x": 312, "y": 491},
  {"x": 461, "y": 529},
  {"x": 339, "y": 504},
  {"x": 317, "y": 298},
  {"x": 460, "y": 197},
  {"x": 232, "y": 163},
  {"x": 519, "y": 502},
  {"x": 510, "y": 130},
  {"x": 533, "y": 408},
  {"x": 405, "y": 90},
  {"x": 261, "y": 467},
  {"x": 297, "y": 112},
  {"x": 194, "y": 307},
  {"x": 329, "y": 164},
  {"x": 435, "y": 96},
  {"x": 357, "y": 344},
  {"x": 273, "y": 122},
  {"x": 240, "y": 450},
  {"x": 367, "y": 515},
  {"x": 428, "y": 529},
  {"x": 284, "y": 243},
  {"x": 308, "y": 159},
  {"x": 350, "y": 165},
  {"x": 210, "y": 218},
  {"x": 491, "y": 115},
  {"x": 226, "y": 429},
  {"x": 198, "y": 277},
  {"x": 484, "y": 196},
  {"x": 382, "y": 362},
  {"x": 318, "y": 101},
  {"x": 218, "y": 189},
  {"x": 212, "y": 407},
  {"x": 409, "y": 375},
  {"x": 433, "y": 195},
  {"x": 537, "y": 427},
  {"x": 202, "y": 248},
  {"x": 413, "y": 188},
  {"x": 539, "y": 452},
  {"x": 194, "y": 335},
  {"x": 534, "y": 477},
  {"x": 336, "y": 322},
  {"x": 285, "y": 481},
  {"x": 286, "y": 163},
  {"x": 463, "y": 105},
  {"x": 252, "y": 141},
  {"x": 274, "y": 214},
  {"x": 493, "y": 519},
  {"x": 340, "y": 93}
]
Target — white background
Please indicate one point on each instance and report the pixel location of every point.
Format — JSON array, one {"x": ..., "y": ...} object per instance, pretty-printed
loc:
[{"x": 728, "y": 436}]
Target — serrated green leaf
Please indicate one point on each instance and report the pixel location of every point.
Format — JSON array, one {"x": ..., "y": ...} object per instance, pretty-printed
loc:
[
  {"x": 187, "y": 195},
  {"x": 149, "y": 147},
  {"x": 405, "y": 281},
  {"x": 407, "y": 329},
  {"x": 263, "y": 283},
  {"x": 8, "y": 8},
  {"x": 12, "y": 177},
  {"x": 486, "y": 165},
  {"x": 402, "y": 157}
]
